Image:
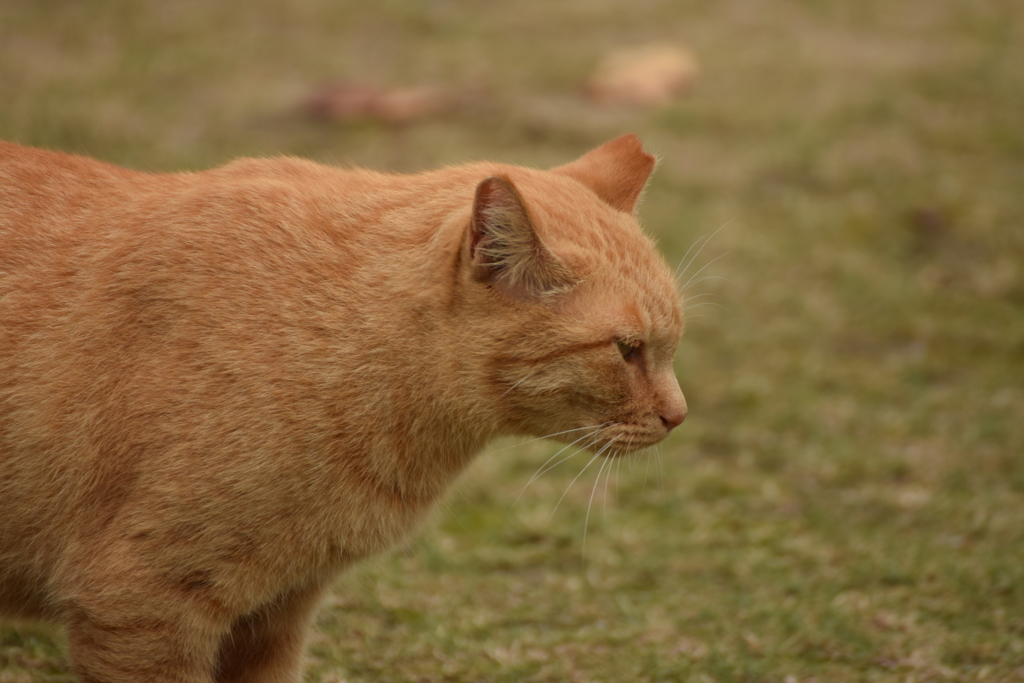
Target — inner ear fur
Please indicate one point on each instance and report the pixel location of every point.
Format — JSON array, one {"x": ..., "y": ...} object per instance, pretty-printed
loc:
[
  {"x": 617, "y": 171},
  {"x": 505, "y": 249}
]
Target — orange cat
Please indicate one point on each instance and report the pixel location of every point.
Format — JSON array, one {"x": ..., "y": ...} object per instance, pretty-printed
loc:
[{"x": 218, "y": 389}]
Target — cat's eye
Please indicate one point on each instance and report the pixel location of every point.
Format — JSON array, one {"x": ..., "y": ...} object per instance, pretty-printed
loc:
[{"x": 630, "y": 350}]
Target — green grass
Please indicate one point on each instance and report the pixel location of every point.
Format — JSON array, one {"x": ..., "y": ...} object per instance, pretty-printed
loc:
[{"x": 845, "y": 501}]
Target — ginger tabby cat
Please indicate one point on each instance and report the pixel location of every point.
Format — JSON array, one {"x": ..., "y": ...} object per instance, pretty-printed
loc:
[{"x": 219, "y": 389}]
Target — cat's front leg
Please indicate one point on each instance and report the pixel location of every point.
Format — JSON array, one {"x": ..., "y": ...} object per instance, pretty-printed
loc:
[
  {"x": 267, "y": 645},
  {"x": 133, "y": 616},
  {"x": 131, "y": 641}
]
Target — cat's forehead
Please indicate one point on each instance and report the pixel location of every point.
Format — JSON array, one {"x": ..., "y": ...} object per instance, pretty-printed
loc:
[
  {"x": 642, "y": 300},
  {"x": 613, "y": 306}
]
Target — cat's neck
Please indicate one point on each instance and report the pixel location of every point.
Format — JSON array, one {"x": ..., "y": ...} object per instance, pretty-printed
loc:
[{"x": 437, "y": 418}]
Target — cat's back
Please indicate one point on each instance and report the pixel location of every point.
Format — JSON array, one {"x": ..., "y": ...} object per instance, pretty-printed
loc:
[
  {"x": 105, "y": 269},
  {"x": 67, "y": 220},
  {"x": 113, "y": 280},
  {"x": 53, "y": 194},
  {"x": 40, "y": 188}
]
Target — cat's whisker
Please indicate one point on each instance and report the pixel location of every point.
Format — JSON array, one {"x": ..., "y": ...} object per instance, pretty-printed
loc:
[
  {"x": 702, "y": 279},
  {"x": 628, "y": 445},
  {"x": 702, "y": 268},
  {"x": 698, "y": 296},
  {"x": 509, "y": 390},
  {"x": 661, "y": 466},
  {"x": 620, "y": 454},
  {"x": 548, "y": 436},
  {"x": 540, "y": 471},
  {"x": 691, "y": 317},
  {"x": 589, "y": 463},
  {"x": 545, "y": 468},
  {"x": 585, "y": 467},
  {"x": 604, "y": 496},
  {"x": 590, "y": 503},
  {"x": 647, "y": 471},
  {"x": 704, "y": 244},
  {"x": 619, "y": 467},
  {"x": 679, "y": 269}
]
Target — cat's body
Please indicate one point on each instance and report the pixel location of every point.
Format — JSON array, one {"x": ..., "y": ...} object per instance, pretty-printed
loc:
[{"x": 219, "y": 389}]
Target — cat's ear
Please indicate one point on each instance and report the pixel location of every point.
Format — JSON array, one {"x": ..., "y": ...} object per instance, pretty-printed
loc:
[
  {"x": 616, "y": 171},
  {"x": 505, "y": 249}
]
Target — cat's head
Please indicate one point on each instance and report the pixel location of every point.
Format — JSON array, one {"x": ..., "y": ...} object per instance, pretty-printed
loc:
[{"x": 581, "y": 315}]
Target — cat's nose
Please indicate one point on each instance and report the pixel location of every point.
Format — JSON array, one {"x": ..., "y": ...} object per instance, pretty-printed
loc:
[
  {"x": 673, "y": 419},
  {"x": 672, "y": 403}
]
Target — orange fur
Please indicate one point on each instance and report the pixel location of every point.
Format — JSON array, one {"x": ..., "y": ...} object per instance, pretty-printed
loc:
[{"x": 219, "y": 389}]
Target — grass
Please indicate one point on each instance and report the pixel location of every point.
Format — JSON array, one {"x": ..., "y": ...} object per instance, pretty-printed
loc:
[{"x": 845, "y": 501}]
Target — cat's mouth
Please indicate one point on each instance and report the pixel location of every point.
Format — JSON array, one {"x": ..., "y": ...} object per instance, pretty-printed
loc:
[{"x": 618, "y": 439}]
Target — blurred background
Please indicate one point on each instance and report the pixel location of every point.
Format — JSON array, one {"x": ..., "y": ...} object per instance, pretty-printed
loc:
[{"x": 845, "y": 501}]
